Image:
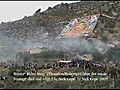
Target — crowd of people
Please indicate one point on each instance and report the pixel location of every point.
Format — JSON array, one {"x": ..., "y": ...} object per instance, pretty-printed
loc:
[{"x": 112, "y": 68}]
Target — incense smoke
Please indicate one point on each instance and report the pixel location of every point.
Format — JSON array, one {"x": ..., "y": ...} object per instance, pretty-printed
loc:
[{"x": 9, "y": 47}]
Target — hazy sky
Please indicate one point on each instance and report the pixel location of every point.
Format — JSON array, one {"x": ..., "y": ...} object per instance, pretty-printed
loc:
[{"x": 15, "y": 10}]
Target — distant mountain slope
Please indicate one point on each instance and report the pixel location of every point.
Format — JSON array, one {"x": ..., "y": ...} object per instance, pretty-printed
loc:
[
  {"x": 49, "y": 20},
  {"x": 43, "y": 27}
]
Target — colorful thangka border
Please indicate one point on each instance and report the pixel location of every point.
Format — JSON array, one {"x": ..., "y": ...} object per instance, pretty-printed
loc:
[{"x": 80, "y": 26}]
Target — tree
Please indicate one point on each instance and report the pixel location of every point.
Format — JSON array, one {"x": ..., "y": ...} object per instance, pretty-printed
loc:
[
  {"x": 49, "y": 8},
  {"x": 38, "y": 11},
  {"x": 113, "y": 53}
]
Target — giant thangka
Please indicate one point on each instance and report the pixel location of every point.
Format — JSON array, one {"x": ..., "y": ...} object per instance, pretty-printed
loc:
[{"x": 80, "y": 26}]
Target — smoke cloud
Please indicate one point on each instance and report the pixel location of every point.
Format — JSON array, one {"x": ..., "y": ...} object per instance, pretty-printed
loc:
[
  {"x": 9, "y": 47},
  {"x": 81, "y": 45}
]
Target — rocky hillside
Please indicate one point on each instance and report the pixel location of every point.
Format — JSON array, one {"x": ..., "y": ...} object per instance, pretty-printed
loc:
[
  {"x": 53, "y": 20},
  {"x": 45, "y": 26}
]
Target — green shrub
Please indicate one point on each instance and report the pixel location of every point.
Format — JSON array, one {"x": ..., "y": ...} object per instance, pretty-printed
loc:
[{"x": 113, "y": 54}]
